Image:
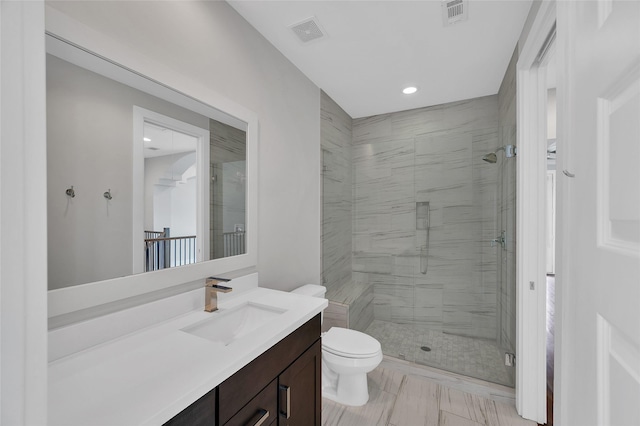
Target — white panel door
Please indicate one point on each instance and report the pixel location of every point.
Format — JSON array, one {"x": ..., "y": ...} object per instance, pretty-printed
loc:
[{"x": 600, "y": 377}]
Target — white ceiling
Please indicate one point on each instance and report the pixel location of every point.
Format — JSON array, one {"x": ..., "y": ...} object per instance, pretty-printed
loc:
[
  {"x": 163, "y": 141},
  {"x": 373, "y": 49}
]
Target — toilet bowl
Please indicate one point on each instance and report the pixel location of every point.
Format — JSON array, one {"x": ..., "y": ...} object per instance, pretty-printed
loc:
[{"x": 347, "y": 357}]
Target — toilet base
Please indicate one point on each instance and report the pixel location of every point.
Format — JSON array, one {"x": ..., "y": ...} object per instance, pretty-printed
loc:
[{"x": 346, "y": 389}]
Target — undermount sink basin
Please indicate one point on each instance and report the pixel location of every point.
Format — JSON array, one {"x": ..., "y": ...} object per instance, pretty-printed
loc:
[{"x": 227, "y": 326}]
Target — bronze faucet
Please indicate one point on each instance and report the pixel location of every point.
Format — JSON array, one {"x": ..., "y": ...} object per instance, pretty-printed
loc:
[{"x": 211, "y": 290}]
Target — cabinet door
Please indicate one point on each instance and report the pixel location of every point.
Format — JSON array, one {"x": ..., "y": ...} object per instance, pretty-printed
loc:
[{"x": 299, "y": 399}]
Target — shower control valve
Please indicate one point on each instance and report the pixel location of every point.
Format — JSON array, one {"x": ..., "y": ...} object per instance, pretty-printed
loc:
[{"x": 502, "y": 240}]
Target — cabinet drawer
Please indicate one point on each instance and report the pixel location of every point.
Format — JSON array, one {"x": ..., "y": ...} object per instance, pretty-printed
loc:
[{"x": 257, "y": 409}]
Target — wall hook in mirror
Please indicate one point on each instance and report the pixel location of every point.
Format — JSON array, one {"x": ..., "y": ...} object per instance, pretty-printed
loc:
[
  {"x": 568, "y": 174},
  {"x": 70, "y": 192},
  {"x": 107, "y": 194}
]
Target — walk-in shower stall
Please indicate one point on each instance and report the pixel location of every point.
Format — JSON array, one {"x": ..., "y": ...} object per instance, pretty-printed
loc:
[{"x": 432, "y": 214}]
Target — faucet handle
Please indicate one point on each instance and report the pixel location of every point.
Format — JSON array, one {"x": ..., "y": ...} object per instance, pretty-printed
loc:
[
  {"x": 222, "y": 280},
  {"x": 212, "y": 283}
]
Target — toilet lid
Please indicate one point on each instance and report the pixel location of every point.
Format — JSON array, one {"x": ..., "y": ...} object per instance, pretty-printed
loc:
[{"x": 350, "y": 343}]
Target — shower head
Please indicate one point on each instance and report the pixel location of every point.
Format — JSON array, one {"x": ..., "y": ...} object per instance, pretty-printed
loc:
[
  {"x": 509, "y": 152},
  {"x": 490, "y": 158}
]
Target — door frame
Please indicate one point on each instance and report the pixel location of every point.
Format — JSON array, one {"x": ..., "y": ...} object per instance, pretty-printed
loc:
[
  {"x": 531, "y": 217},
  {"x": 551, "y": 220},
  {"x": 140, "y": 116},
  {"x": 23, "y": 228}
]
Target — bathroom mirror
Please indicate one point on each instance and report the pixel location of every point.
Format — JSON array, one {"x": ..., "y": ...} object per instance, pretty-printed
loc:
[{"x": 148, "y": 186}]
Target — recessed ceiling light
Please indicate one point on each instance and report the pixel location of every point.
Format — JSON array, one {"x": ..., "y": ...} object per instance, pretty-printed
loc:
[
  {"x": 146, "y": 139},
  {"x": 409, "y": 90}
]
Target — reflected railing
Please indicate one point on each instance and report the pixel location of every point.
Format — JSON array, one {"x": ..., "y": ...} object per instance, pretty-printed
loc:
[
  {"x": 234, "y": 243},
  {"x": 162, "y": 251}
]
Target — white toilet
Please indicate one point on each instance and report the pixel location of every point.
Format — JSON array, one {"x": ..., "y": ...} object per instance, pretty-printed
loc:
[{"x": 347, "y": 357}]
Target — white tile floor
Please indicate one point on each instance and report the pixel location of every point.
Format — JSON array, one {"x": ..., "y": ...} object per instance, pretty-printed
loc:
[
  {"x": 404, "y": 395},
  {"x": 477, "y": 358}
]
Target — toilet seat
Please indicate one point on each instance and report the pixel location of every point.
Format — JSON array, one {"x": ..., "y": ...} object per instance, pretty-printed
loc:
[{"x": 350, "y": 343}]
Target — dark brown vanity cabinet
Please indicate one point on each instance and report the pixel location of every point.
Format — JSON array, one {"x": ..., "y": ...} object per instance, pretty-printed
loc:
[
  {"x": 280, "y": 387},
  {"x": 201, "y": 412},
  {"x": 299, "y": 386}
]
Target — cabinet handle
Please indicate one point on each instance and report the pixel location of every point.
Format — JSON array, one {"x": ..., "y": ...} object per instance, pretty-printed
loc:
[
  {"x": 264, "y": 415},
  {"x": 287, "y": 411}
]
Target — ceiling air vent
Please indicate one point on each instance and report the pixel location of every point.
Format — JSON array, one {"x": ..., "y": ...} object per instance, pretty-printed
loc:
[
  {"x": 308, "y": 30},
  {"x": 454, "y": 11}
]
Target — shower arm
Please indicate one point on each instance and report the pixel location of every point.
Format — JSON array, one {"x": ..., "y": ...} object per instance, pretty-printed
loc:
[{"x": 509, "y": 150}]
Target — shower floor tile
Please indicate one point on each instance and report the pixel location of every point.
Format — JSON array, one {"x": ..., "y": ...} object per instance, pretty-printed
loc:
[{"x": 478, "y": 358}]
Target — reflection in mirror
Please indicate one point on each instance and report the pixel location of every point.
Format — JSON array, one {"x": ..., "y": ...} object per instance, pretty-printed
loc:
[
  {"x": 170, "y": 186},
  {"x": 228, "y": 190},
  {"x": 188, "y": 169}
]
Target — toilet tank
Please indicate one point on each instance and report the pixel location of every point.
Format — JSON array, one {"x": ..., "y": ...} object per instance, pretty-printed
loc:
[{"x": 312, "y": 290}]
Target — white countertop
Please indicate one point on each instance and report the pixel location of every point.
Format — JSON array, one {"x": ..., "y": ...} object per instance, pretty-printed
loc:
[{"x": 149, "y": 376}]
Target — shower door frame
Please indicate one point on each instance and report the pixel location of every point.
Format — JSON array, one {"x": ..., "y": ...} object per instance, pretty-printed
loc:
[{"x": 531, "y": 215}]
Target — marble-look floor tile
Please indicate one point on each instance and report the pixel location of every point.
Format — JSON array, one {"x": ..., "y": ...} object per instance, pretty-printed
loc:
[
  {"x": 375, "y": 412},
  {"x": 450, "y": 419},
  {"x": 487, "y": 390},
  {"x": 463, "y": 404},
  {"x": 386, "y": 380},
  {"x": 416, "y": 404},
  {"x": 400, "y": 396},
  {"x": 504, "y": 415}
]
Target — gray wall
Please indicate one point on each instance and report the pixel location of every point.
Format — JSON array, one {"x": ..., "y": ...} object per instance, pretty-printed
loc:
[
  {"x": 429, "y": 155},
  {"x": 507, "y": 214},
  {"x": 89, "y": 146},
  {"x": 209, "y": 43}
]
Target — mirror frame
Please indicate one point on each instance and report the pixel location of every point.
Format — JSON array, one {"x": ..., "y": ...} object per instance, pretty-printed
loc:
[{"x": 76, "y": 43}]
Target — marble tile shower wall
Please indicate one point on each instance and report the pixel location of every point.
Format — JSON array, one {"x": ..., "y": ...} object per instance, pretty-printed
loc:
[
  {"x": 430, "y": 155},
  {"x": 335, "y": 131}
]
